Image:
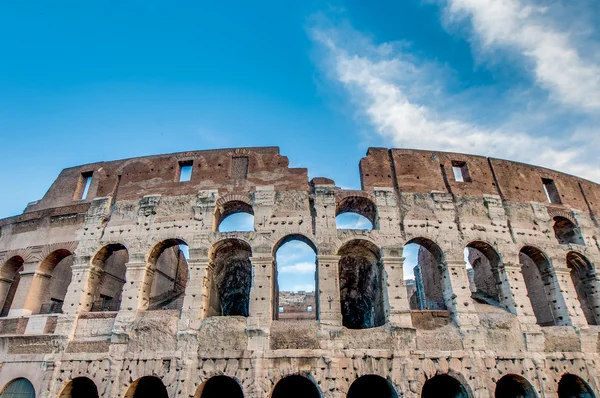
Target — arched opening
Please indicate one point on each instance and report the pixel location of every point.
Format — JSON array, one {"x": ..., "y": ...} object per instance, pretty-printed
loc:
[
  {"x": 541, "y": 286},
  {"x": 425, "y": 284},
  {"x": 371, "y": 386},
  {"x": 444, "y": 386},
  {"x": 147, "y": 386},
  {"x": 80, "y": 387},
  {"x": 231, "y": 278},
  {"x": 18, "y": 388},
  {"x": 220, "y": 386},
  {"x": 9, "y": 282},
  {"x": 234, "y": 216},
  {"x": 585, "y": 281},
  {"x": 566, "y": 231},
  {"x": 53, "y": 284},
  {"x": 571, "y": 386},
  {"x": 167, "y": 275},
  {"x": 361, "y": 285},
  {"x": 484, "y": 276},
  {"x": 108, "y": 277},
  {"x": 355, "y": 212},
  {"x": 295, "y": 387},
  {"x": 295, "y": 259},
  {"x": 514, "y": 386}
]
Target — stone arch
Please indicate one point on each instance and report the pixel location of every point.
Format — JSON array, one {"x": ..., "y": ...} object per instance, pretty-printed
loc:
[
  {"x": 9, "y": 282},
  {"x": 147, "y": 386},
  {"x": 107, "y": 277},
  {"x": 544, "y": 294},
  {"x": 585, "y": 280},
  {"x": 220, "y": 386},
  {"x": 299, "y": 303},
  {"x": 361, "y": 285},
  {"x": 485, "y": 281},
  {"x": 166, "y": 275},
  {"x": 295, "y": 386},
  {"x": 514, "y": 386},
  {"x": 229, "y": 205},
  {"x": 358, "y": 203},
  {"x": 79, "y": 387},
  {"x": 18, "y": 388},
  {"x": 230, "y": 278},
  {"x": 371, "y": 386},
  {"x": 51, "y": 281},
  {"x": 429, "y": 276},
  {"x": 444, "y": 386},
  {"x": 566, "y": 231},
  {"x": 572, "y": 386}
]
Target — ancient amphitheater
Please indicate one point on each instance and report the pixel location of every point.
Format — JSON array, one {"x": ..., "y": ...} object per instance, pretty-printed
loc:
[{"x": 98, "y": 299}]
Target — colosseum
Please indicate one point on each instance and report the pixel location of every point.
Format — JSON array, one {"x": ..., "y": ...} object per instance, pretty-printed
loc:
[{"x": 99, "y": 299}]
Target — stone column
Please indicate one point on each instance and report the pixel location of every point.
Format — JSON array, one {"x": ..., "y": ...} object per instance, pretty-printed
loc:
[
  {"x": 567, "y": 308},
  {"x": 457, "y": 293},
  {"x": 84, "y": 282},
  {"x": 5, "y": 284},
  {"x": 328, "y": 290},
  {"x": 514, "y": 293},
  {"x": 197, "y": 291},
  {"x": 38, "y": 292},
  {"x": 262, "y": 300},
  {"x": 136, "y": 290},
  {"x": 18, "y": 307},
  {"x": 395, "y": 295}
]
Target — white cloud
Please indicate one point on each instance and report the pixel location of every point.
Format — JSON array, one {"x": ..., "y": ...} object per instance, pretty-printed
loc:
[
  {"x": 299, "y": 268},
  {"x": 521, "y": 26},
  {"x": 391, "y": 88}
]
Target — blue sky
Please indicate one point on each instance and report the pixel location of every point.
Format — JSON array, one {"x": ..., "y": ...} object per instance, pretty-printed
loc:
[{"x": 324, "y": 80}]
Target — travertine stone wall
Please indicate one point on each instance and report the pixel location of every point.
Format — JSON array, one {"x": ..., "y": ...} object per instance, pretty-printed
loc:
[{"x": 533, "y": 314}]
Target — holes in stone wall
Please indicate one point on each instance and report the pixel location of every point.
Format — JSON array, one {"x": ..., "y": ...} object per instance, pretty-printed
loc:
[
  {"x": 586, "y": 285},
  {"x": 107, "y": 282},
  {"x": 571, "y": 386},
  {"x": 218, "y": 387},
  {"x": 514, "y": 386},
  {"x": 443, "y": 386},
  {"x": 231, "y": 278},
  {"x": 371, "y": 386},
  {"x": 484, "y": 277},
  {"x": 80, "y": 387},
  {"x": 295, "y": 259},
  {"x": 168, "y": 270},
  {"x": 566, "y": 231},
  {"x": 541, "y": 286},
  {"x": 234, "y": 216},
  {"x": 361, "y": 288},
  {"x": 9, "y": 282},
  {"x": 295, "y": 386},
  {"x": 356, "y": 212},
  {"x": 426, "y": 290},
  {"x": 147, "y": 386}
]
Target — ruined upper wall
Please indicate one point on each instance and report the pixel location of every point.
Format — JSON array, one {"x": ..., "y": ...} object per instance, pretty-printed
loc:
[
  {"x": 130, "y": 179},
  {"x": 419, "y": 171}
]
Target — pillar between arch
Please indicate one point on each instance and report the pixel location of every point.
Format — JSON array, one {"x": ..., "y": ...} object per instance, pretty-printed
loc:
[
  {"x": 26, "y": 282},
  {"x": 138, "y": 282},
  {"x": 567, "y": 296},
  {"x": 397, "y": 307},
  {"x": 328, "y": 290},
  {"x": 262, "y": 291},
  {"x": 457, "y": 293},
  {"x": 38, "y": 291},
  {"x": 515, "y": 289},
  {"x": 197, "y": 292}
]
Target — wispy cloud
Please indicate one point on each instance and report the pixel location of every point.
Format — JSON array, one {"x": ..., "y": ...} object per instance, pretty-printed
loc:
[
  {"x": 400, "y": 96},
  {"x": 528, "y": 30},
  {"x": 298, "y": 268}
]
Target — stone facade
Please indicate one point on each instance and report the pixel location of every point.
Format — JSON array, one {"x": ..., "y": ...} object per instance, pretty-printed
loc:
[{"x": 97, "y": 295}]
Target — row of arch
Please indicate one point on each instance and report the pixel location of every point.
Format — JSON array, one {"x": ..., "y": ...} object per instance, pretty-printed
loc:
[
  {"x": 361, "y": 280},
  {"x": 299, "y": 386}
]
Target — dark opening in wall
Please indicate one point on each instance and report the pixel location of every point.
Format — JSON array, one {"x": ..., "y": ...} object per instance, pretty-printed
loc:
[
  {"x": 231, "y": 278},
  {"x": 54, "y": 289},
  {"x": 184, "y": 172},
  {"x": 567, "y": 232},
  {"x": 83, "y": 185},
  {"x": 147, "y": 386},
  {"x": 18, "y": 388},
  {"x": 169, "y": 270},
  {"x": 295, "y": 387},
  {"x": 514, "y": 386},
  {"x": 106, "y": 289},
  {"x": 542, "y": 289},
  {"x": 9, "y": 282},
  {"x": 571, "y": 386},
  {"x": 443, "y": 386},
  {"x": 461, "y": 171},
  {"x": 372, "y": 386},
  {"x": 356, "y": 212},
  {"x": 485, "y": 279},
  {"x": 220, "y": 387},
  {"x": 427, "y": 290},
  {"x": 551, "y": 191},
  {"x": 234, "y": 216},
  {"x": 361, "y": 285},
  {"x": 586, "y": 285},
  {"x": 80, "y": 387}
]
